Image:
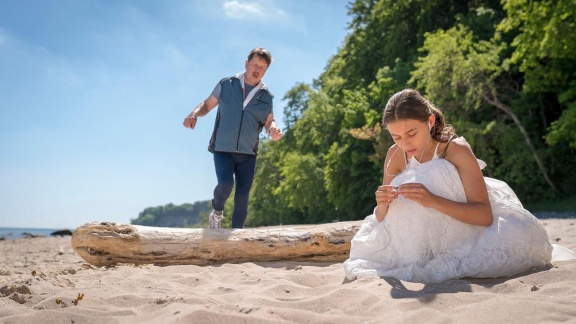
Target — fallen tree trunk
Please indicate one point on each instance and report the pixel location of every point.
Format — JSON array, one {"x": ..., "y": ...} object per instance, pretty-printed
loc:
[{"x": 104, "y": 244}]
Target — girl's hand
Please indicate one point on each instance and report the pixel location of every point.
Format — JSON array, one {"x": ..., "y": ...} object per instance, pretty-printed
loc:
[
  {"x": 385, "y": 195},
  {"x": 418, "y": 193}
]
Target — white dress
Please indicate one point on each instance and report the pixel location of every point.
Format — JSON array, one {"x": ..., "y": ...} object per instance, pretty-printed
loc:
[{"x": 420, "y": 244}]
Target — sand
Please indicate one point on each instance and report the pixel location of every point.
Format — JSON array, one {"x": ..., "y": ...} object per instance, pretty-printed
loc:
[{"x": 42, "y": 280}]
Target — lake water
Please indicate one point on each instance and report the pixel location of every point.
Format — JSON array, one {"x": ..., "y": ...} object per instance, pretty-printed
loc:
[{"x": 11, "y": 233}]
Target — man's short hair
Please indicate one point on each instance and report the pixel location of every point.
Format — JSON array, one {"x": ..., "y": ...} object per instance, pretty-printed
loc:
[{"x": 261, "y": 53}]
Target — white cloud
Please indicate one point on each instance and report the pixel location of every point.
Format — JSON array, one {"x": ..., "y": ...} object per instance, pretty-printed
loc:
[
  {"x": 247, "y": 10},
  {"x": 237, "y": 10},
  {"x": 2, "y": 37}
]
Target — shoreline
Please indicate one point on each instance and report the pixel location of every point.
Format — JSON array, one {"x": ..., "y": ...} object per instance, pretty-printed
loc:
[
  {"x": 552, "y": 214},
  {"x": 12, "y": 233}
]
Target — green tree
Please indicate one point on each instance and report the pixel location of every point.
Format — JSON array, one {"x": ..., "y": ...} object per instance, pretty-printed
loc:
[
  {"x": 458, "y": 69},
  {"x": 170, "y": 215},
  {"x": 545, "y": 50},
  {"x": 479, "y": 62}
]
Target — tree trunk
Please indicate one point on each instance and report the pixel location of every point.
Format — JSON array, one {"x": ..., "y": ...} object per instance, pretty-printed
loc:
[
  {"x": 495, "y": 102},
  {"x": 104, "y": 244}
]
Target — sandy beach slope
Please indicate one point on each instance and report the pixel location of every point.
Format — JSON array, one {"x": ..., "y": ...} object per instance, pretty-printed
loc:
[{"x": 42, "y": 280}]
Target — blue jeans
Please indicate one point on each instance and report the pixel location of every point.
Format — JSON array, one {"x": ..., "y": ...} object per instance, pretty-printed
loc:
[{"x": 230, "y": 166}]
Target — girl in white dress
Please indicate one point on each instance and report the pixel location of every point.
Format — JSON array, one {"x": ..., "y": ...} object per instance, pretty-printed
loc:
[{"x": 437, "y": 217}]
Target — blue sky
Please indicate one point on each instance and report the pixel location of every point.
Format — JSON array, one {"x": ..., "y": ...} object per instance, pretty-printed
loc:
[{"x": 93, "y": 94}]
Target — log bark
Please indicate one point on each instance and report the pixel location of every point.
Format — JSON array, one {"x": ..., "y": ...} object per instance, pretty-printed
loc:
[{"x": 105, "y": 244}]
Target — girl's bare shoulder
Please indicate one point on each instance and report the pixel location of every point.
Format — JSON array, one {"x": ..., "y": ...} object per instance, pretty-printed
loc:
[
  {"x": 395, "y": 153},
  {"x": 459, "y": 150},
  {"x": 395, "y": 162}
]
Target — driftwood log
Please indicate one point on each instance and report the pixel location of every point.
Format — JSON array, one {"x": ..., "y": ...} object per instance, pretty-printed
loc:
[{"x": 105, "y": 244}]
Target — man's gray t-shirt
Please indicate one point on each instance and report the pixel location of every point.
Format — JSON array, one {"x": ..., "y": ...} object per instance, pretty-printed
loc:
[{"x": 218, "y": 88}]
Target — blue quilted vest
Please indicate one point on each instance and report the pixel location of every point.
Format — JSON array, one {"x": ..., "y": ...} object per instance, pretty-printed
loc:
[{"x": 237, "y": 130}]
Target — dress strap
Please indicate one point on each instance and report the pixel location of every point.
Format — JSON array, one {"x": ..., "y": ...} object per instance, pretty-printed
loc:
[
  {"x": 436, "y": 151},
  {"x": 443, "y": 155},
  {"x": 405, "y": 158}
]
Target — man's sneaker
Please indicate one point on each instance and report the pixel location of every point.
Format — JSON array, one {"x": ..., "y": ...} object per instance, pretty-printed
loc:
[{"x": 214, "y": 220}]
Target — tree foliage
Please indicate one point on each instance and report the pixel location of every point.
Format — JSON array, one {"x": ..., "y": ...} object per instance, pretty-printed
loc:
[
  {"x": 334, "y": 146},
  {"x": 545, "y": 50},
  {"x": 170, "y": 215}
]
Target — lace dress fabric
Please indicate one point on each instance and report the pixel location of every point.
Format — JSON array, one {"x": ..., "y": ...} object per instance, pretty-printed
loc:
[{"x": 420, "y": 244}]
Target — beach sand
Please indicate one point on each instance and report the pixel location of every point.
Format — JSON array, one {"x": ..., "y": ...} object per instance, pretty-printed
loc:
[{"x": 42, "y": 280}]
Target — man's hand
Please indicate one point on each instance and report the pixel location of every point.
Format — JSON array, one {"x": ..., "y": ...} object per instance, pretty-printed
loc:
[
  {"x": 190, "y": 121},
  {"x": 275, "y": 133}
]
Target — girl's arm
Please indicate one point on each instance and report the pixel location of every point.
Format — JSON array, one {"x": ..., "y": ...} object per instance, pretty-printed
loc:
[
  {"x": 385, "y": 194},
  {"x": 476, "y": 210}
]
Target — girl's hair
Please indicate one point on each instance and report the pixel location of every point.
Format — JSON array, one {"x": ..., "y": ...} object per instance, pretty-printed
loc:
[{"x": 410, "y": 104}]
